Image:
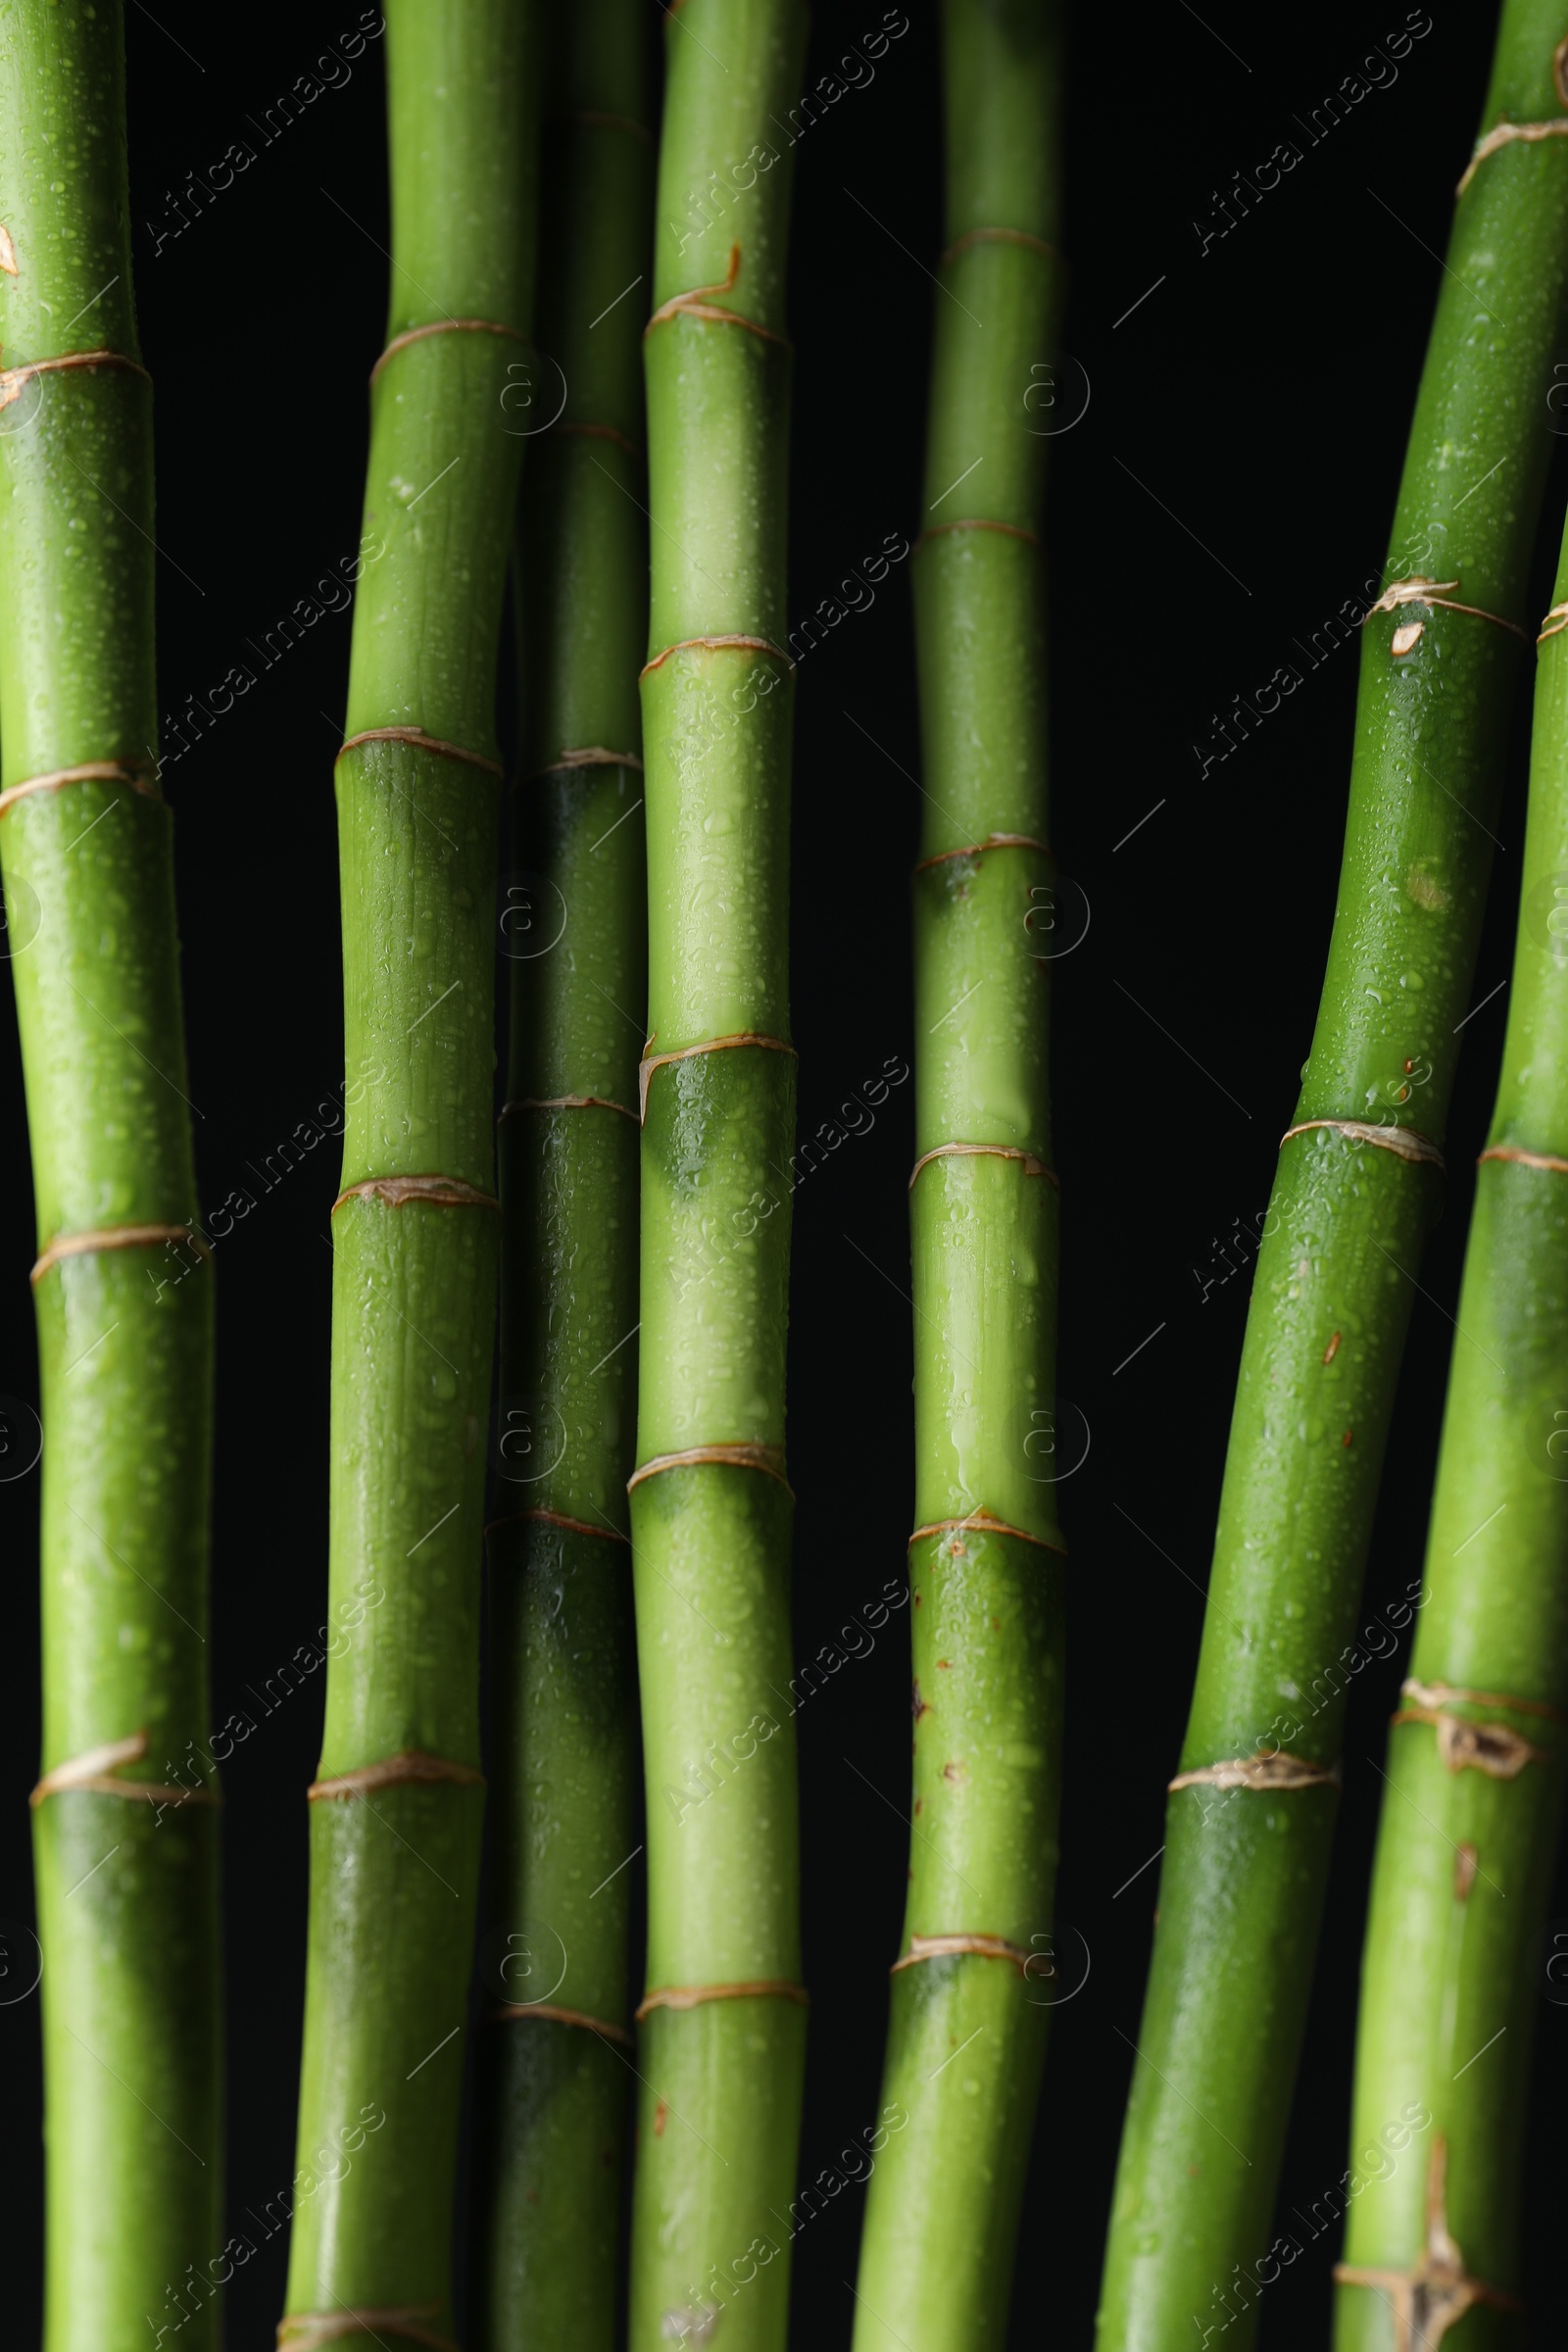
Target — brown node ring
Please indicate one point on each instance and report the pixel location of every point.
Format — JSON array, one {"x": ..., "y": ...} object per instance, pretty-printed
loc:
[
  {"x": 981, "y": 1948},
  {"x": 543, "y": 1518},
  {"x": 978, "y": 849},
  {"x": 1405, "y": 1142},
  {"x": 1419, "y": 590},
  {"x": 116, "y": 1236},
  {"x": 12, "y": 379},
  {"x": 1493, "y": 1748},
  {"x": 694, "y": 305},
  {"x": 95, "y": 1773},
  {"x": 601, "y": 432},
  {"x": 1440, "y": 1695},
  {"x": 420, "y": 741},
  {"x": 438, "y": 1191},
  {"x": 983, "y": 1523},
  {"x": 303, "y": 2330},
  {"x": 1437, "y": 2291},
  {"x": 589, "y": 755},
  {"x": 413, "y": 1766},
  {"x": 710, "y": 1045},
  {"x": 1525, "y": 1160},
  {"x": 445, "y": 326},
  {"x": 140, "y": 774},
  {"x": 1503, "y": 134},
  {"x": 588, "y": 120},
  {"x": 1554, "y": 623},
  {"x": 693, "y": 1996},
  {"x": 1031, "y": 1165},
  {"x": 565, "y": 1102},
  {"x": 515, "y": 2012},
  {"x": 999, "y": 236},
  {"x": 735, "y": 641},
  {"x": 769, "y": 1460},
  {"x": 1278, "y": 1770},
  {"x": 976, "y": 522}
]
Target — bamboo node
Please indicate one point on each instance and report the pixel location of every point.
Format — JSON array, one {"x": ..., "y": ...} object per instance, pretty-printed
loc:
[
  {"x": 12, "y": 379},
  {"x": 768, "y": 1458},
  {"x": 694, "y": 305},
  {"x": 515, "y": 2012},
  {"x": 975, "y": 522},
  {"x": 710, "y": 1045},
  {"x": 303, "y": 2330},
  {"x": 1494, "y": 1749},
  {"x": 116, "y": 1236},
  {"x": 1434, "y": 2294},
  {"x": 590, "y": 754},
  {"x": 1554, "y": 623},
  {"x": 1277, "y": 1770},
  {"x": 1031, "y": 1165},
  {"x": 999, "y": 236},
  {"x": 1525, "y": 1160},
  {"x": 601, "y": 432},
  {"x": 445, "y": 326},
  {"x": 544, "y": 1518},
  {"x": 978, "y": 849},
  {"x": 1419, "y": 590},
  {"x": 95, "y": 1772},
  {"x": 692, "y": 1996},
  {"x": 140, "y": 774},
  {"x": 1502, "y": 134},
  {"x": 982, "y": 1947},
  {"x": 590, "y": 120},
  {"x": 411, "y": 1766},
  {"x": 984, "y": 1523},
  {"x": 438, "y": 1191},
  {"x": 1405, "y": 1142},
  {"x": 420, "y": 741},
  {"x": 745, "y": 644},
  {"x": 565, "y": 1102}
]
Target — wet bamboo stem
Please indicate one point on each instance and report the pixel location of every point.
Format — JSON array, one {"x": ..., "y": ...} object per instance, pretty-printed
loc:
[
  {"x": 557, "y": 2075},
  {"x": 967, "y": 2028},
  {"x": 126, "y": 1854},
  {"x": 1248, "y": 1839},
  {"x": 394, "y": 1856},
  {"x": 1472, "y": 1809},
  {"x": 719, "y": 2111}
]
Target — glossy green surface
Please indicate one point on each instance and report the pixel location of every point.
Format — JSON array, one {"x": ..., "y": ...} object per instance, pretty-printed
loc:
[
  {"x": 1452, "y": 1970},
  {"x": 1241, "y": 1886},
  {"x": 719, "y": 2104},
  {"x": 555, "y": 2097},
  {"x": 968, "y": 2032},
  {"x": 413, "y": 1308},
  {"x": 126, "y": 1888}
]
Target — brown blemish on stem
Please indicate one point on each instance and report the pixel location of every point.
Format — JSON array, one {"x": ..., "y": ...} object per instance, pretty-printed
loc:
[
  {"x": 1466, "y": 1862},
  {"x": 1435, "y": 2295},
  {"x": 1347, "y": 1438},
  {"x": 7, "y": 252},
  {"x": 413, "y": 1766},
  {"x": 1489, "y": 1748},
  {"x": 1332, "y": 1349},
  {"x": 1407, "y": 637},
  {"x": 921, "y": 1706},
  {"x": 660, "y": 2116}
]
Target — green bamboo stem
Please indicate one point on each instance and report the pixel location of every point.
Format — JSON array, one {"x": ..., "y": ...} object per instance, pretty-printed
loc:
[
  {"x": 125, "y": 1826},
  {"x": 396, "y": 1818},
  {"x": 1473, "y": 1811},
  {"x": 967, "y": 2026},
  {"x": 1248, "y": 1839},
  {"x": 556, "y": 2072},
  {"x": 719, "y": 2108}
]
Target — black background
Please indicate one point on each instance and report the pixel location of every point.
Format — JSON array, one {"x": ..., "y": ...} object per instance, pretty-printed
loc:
[{"x": 1260, "y": 395}]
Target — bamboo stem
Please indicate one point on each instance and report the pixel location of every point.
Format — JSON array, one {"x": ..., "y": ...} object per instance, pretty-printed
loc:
[
  {"x": 719, "y": 2110},
  {"x": 1473, "y": 1811},
  {"x": 557, "y": 2070},
  {"x": 125, "y": 1821},
  {"x": 969, "y": 1994},
  {"x": 396, "y": 1818},
  {"x": 1246, "y": 1856}
]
